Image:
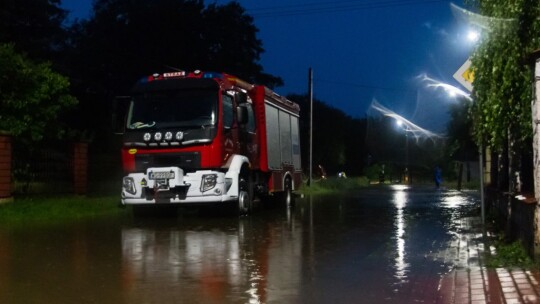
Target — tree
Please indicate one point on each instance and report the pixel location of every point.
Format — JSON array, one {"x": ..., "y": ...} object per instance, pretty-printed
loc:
[
  {"x": 459, "y": 132},
  {"x": 338, "y": 139},
  {"x": 125, "y": 40},
  {"x": 34, "y": 26},
  {"x": 502, "y": 84},
  {"x": 233, "y": 45},
  {"x": 32, "y": 96}
]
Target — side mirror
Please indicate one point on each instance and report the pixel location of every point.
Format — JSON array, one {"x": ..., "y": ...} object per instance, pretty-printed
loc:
[
  {"x": 242, "y": 114},
  {"x": 120, "y": 109}
]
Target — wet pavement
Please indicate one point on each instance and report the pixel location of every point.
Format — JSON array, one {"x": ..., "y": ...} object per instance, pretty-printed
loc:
[{"x": 378, "y": 245}]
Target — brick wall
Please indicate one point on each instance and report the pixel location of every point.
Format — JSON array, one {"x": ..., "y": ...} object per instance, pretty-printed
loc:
[
  {"x": 5, "y": 166},
  {"x": 80, "y": 168}
]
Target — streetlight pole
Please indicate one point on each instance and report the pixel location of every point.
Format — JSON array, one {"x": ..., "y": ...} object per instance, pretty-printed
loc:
[
  {"x": 407, "y": 173},
  {"x": 310, "y": 94},
  {"x": 406, "y": 129}
]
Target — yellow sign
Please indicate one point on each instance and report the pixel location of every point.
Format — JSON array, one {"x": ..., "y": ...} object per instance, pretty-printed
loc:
[
  {"x": 468, "y": 75},
  {"x": 132, "y": 151},
  {"x": 465, "y": 75}
]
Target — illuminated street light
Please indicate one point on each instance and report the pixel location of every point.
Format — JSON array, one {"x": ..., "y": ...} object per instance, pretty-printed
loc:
[
  {"x": 473, "y": 36},
  {"x": 416, "y": 131},
  {"x": 451, "y": 90}
]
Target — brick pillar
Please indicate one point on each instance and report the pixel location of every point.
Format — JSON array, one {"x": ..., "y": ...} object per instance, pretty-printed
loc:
[
  {"x": 80, "y": 168},
  {"x": 5, "y": 168}
]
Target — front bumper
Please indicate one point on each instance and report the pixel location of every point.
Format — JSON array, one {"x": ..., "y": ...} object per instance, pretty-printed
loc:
[{"x": 171, "y": 185}]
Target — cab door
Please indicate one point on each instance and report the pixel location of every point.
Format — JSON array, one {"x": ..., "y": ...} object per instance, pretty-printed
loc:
[{"x": 247, "y": 129}]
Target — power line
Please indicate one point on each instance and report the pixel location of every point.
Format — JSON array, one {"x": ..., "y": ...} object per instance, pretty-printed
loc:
[
  {"x": 330, "y": 7},
  {"x": 360, "y": 85},
  {"x": 331, "y": 4}
]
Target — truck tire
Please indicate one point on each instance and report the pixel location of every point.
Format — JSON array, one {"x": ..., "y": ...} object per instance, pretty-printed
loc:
[
  {"x": 245, "y": 192},
  {"x": 288, "y": 196}
]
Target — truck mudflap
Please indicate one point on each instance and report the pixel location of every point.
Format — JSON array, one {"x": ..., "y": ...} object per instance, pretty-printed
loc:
[{"x": 172, "y": 185}]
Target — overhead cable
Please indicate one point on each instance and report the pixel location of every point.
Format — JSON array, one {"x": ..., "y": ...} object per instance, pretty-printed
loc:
[{"x": 331, "y": 7}]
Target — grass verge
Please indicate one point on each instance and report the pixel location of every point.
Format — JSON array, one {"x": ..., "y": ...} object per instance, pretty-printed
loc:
[
  {"x": 510, "y": 255},
  {"x": 331, "y": 185},
  {"x": 33, "y": 210}
]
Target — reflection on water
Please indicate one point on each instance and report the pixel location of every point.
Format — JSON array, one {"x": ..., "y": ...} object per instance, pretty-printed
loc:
[
  {"x": 400, "y": 201},
  {"x": 201, "y": 263},
  {"x": 383, "y": 244},
  {"x": 243, "y": 264}
]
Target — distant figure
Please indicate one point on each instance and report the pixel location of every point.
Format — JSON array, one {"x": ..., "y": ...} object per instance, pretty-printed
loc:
[
  {"x": 322, "y": 172},
  {"x": 342, "y": 174},
  {"x": 438, "y": 177}
]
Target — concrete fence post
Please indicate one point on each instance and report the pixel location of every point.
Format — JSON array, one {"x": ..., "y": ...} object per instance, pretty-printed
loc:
[
  {"x": 80, "y": 168},
  {"x": 5, "y": 168},
  {"x": 535, "y": 105}
]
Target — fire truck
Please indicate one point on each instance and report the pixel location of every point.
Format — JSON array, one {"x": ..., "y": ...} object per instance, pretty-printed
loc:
[{"x": 207, "y": 138}]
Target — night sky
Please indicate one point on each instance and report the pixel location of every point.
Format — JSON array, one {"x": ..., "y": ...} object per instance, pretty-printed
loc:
[{"x": 360, "y": 51}]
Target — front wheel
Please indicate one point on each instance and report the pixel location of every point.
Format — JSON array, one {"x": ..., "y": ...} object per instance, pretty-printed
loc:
[{"x": 245, "y": 193}]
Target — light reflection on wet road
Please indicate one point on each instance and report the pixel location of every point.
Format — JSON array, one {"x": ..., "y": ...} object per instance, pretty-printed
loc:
[{"x": 373, "y": 246}]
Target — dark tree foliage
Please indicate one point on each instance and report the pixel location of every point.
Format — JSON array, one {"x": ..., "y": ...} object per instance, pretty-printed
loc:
[
  {"x": 397, "y": 149},
  {"x": 459, "y": 131},
  {"x": 33, "y": 26},
  {"x": 125, "y": 40},
  {"x": 338, "y": 139},
  {"x": 385, "y": 143},
  {"x": 232, "y": 44},
  {"x": 33, "y": 95}
]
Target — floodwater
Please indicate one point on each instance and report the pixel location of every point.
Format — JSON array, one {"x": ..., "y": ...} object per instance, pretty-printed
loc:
[{"x": 373, "y": 246}]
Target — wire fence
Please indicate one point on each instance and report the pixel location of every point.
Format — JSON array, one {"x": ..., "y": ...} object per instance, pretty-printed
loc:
[{"x": 51, "y": 171}]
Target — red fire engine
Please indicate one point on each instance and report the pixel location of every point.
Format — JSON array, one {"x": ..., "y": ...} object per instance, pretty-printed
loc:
[{"x": 208, "y": 138}]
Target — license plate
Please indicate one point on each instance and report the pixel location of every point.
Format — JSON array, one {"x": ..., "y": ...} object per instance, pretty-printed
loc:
[{"x": 161, "y": 175}]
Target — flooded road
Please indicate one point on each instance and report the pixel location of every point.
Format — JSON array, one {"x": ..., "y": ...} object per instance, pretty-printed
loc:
[{"x": 378, "y": 245}]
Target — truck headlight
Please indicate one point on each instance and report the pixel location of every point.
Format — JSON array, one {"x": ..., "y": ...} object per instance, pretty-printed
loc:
[
  {"x": 147, "y": 136},
  {"x": 128, "y": 184},
  {"x": 208, "y": 182},
  {"x": 179, "y": 135}
]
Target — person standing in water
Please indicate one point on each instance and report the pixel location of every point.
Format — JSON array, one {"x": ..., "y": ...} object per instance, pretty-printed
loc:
[{"x": 438, "y": 177}]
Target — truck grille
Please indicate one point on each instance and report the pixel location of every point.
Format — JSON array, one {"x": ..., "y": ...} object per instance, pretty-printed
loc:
[{"x": 186, "y": 161}]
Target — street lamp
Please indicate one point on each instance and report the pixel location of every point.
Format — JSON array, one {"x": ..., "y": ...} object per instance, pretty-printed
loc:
[{"x": 473, "y": 36}]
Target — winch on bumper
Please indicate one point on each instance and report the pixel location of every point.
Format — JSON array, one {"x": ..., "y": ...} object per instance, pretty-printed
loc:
[{"x": 171, "y": 185}]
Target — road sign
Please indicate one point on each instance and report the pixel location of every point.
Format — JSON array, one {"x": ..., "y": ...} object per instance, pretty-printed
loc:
[{"x": 465, "y": 75}]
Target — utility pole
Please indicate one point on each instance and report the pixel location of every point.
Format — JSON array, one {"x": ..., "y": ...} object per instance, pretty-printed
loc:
[{"x": 310, "y": 96}]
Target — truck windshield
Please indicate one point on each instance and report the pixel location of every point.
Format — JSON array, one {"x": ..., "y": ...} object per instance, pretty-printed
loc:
[{"x": 173, "y": 108}]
